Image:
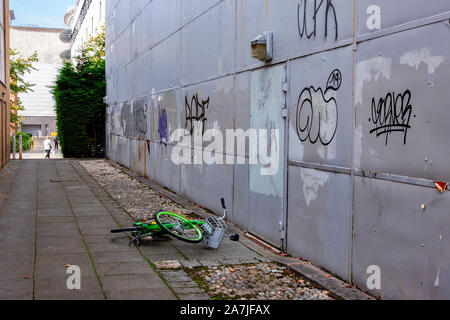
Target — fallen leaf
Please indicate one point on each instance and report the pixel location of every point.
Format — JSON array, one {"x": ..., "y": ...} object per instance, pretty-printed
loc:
[{"x": 441, "y": 186}]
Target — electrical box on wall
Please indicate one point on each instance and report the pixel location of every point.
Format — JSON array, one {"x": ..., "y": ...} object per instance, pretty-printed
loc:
[{"x": 262, "y": 47}]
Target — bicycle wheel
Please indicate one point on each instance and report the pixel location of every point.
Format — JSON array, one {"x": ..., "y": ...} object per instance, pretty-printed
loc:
[{"x": 179, "y": 227}]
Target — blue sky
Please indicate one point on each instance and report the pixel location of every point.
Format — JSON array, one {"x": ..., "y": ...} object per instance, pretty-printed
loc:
[{"x": 43, "y": 13}]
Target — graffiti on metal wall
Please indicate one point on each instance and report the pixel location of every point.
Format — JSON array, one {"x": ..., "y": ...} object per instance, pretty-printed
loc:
[
  {"x": 307, "y": 17},
  {"x": 162, "y": 126},
  {"x": 392, "y": 114},
  {"x": 140, "y": 119},
  {"x": 196, "y": 113},
  {"x": 317, "y": 112}
]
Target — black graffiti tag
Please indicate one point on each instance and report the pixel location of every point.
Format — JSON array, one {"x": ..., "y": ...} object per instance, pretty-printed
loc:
[
  {"x": 195, "y": 112},
  {"x": 392, "y": 114},
  {"x": 317, "y": 112},
  {"x": 306, "y": 22}
]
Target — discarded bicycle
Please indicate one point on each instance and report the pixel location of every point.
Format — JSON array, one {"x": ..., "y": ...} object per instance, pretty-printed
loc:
[{"x": 210, "y": 231}]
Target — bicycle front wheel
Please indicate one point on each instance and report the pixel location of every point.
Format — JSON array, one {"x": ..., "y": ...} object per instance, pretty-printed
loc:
[{"x": 179, "y": 227}]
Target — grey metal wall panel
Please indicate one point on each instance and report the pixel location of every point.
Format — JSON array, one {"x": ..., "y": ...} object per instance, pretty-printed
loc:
[
  {"x": 299, "y": 26},
  {"x": 164, "y": 19},
  {"x": 141, "y": 40},
  {"x": 398, "y": 12},
  {"x": 165, "y": 63},
  {"x": 201, "y": 58},
  {"x": 319, "y": 218},
  {"x": 410, "y": 245},
  {"x": 241, "y": 196},
  {"x": 193, "y": 8},
  {"x": 267, "y": 190},
  {"x": 137, "y": 6},
  {"x": 402, "y": 103},
  {"x": 207, "y": 184},
  {"x": 162, "y": 170},
  {"x": 320, "y": 124},
  {"x": 242, "y": 114},
  {"x": 215, "y": 98}
]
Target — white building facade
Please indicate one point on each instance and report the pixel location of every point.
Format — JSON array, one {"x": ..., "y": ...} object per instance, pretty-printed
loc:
[
  {"x": 39, "y": 114},
  {"x": 85, "y": 20}
]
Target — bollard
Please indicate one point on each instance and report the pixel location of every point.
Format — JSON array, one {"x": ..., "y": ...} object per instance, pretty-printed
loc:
[
  {"x": 20, "y": 147},
  {"x": 14, "y": 147}
]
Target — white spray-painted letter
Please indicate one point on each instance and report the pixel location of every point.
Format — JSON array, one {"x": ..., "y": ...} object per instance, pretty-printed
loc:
[
  {"x": 374, "y": 20},
  {"x": 374, "y": 281}
]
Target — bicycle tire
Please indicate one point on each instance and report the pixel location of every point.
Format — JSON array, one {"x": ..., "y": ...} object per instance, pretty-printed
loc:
[
  {"x": 125, "y": 230},
  {"x": 164, "y": 218}
]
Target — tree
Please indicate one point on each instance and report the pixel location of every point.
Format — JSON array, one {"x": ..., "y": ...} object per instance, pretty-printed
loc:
[
  {"x": 78, "y": 92},
  {"x": 19, "y": 67}
]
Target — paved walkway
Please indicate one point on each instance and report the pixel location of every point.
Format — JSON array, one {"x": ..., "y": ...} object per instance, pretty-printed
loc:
[
  {"x": 33, "y": 155},
  {"x": 53, "y": 215}
]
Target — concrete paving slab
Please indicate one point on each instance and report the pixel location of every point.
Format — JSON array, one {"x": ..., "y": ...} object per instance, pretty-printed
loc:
[
  {"x": 83, "y": 212},
  {"x": 140, "y": 294},
  {"x": 63, "y": 259},
  {"x": 58, "y": 245},
  {"x": 106, "y": 257},
  {"x": 55, "y": 219},
  {"x": 132, "y": 282},
  {"x": 59, "y": 269},
  {"x": 54, "y": 287},
  {"x": 12, "y": 288},
  {"x": 55, "y": 212},
  {"x": 122, "y": 268},
  {"x": 57, "y": 229}
]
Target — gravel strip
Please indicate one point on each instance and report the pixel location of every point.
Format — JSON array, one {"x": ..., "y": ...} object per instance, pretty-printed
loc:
[
  {"x": 136, "y": 198},
  {"x": 265, "y": 281}
]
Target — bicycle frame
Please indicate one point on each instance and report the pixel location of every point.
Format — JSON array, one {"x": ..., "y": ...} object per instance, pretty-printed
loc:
[{"x": 154, "y": 229}]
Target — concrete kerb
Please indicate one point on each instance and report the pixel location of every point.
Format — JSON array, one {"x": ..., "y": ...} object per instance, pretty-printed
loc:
[{"x": 314, "y": 274}]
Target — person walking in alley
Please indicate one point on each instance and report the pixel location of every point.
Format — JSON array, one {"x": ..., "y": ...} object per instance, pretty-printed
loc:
[
  {"x": 56, "y": 143},
  {"x": 47, "y": 147}
]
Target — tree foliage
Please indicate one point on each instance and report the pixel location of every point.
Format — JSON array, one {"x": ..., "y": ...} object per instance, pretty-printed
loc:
[
  {"x": 78, "y": 92},
  {"x": 19, "y": 66}
]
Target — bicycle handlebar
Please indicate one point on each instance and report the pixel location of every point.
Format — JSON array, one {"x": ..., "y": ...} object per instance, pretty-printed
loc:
[{"x": 223, "y": 203}]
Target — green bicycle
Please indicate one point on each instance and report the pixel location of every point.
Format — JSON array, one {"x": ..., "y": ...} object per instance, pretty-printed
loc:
[{"x": 210, "y": 231}]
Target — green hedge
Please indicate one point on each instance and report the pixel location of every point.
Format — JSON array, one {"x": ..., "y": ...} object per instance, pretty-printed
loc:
[
  {"x": 27, "y": 142},
  {"x": 80, "y": 111}
]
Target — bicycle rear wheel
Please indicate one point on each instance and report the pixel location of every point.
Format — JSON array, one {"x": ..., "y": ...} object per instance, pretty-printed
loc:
[{"x": 179, "y": 227}]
